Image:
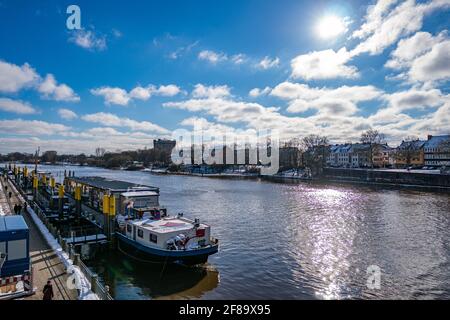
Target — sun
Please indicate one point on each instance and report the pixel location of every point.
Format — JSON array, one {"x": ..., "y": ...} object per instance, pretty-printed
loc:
[{"x": 331, "y": 26}]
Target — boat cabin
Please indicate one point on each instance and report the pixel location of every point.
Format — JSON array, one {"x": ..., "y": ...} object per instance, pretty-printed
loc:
[{"x": 168, "y": 233}]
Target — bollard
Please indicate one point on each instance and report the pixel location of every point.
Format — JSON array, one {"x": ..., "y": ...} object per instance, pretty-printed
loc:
[{"x": 94, "y": 283}]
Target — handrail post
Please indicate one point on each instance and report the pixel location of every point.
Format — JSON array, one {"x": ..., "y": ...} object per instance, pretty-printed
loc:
[{"x": 76, "y": 259}]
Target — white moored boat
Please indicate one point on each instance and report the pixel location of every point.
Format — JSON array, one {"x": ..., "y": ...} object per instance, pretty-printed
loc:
[{"x": 149, "y": 233}]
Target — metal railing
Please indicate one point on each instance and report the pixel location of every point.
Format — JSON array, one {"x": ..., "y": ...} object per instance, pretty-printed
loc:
[{"x": 96, "y": 286}]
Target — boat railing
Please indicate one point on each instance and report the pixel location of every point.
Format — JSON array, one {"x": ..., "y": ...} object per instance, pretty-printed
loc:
[{"x": 96, "y": 286}]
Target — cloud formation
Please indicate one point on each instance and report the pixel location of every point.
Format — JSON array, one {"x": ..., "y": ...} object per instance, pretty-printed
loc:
[
  {"x": 16, "y": 106},
  {"x": 13, "y": 78},
  {"x": 88, "y": 39},
  {"x": 109, "y": 119},
  {"x": 50, "y": 89},
  {"x": 119, "y": 96},
  {"x": 67, "y": 114},
  {"x": 325, "y": 64}
]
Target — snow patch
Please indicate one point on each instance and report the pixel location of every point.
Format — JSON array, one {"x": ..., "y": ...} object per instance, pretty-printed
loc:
[{"x": 85, "y": 292}]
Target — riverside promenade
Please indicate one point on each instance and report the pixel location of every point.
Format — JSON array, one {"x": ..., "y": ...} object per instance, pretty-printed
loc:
[{"x": 45, "y": 262}]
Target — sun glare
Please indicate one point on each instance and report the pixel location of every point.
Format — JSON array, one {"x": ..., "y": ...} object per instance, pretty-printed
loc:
[{"x": 331, "y": 26}]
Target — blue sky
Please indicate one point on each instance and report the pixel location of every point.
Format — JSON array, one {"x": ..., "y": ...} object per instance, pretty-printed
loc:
[{"x": 138, "y": 70}]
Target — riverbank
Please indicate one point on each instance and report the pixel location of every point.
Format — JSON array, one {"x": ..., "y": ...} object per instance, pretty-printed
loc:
[
  {"x": 390, "y": 178},
  {"x": 422, "y": 180}
]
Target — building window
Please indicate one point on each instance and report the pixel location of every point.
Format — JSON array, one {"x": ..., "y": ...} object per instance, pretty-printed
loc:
[
  {"x": 153, "y": 238},
  {"x": 140, "y": 233}
]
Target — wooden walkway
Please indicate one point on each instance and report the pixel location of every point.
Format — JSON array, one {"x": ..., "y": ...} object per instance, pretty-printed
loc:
[{"x": 46, "y": 264}]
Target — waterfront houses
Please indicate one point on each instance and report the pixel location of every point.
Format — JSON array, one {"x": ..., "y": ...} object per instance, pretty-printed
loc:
[
  {"x": 410, "y": 153},
  {"x": 349, "y": 155},
  {"x": 437, "y": 151}
]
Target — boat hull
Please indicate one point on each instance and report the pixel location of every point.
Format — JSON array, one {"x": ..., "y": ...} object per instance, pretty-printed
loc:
[{"x": 146, "y": 254}]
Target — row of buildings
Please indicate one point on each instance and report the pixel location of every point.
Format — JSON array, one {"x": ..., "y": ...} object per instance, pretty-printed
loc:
[{"x": 433, "y": 152}]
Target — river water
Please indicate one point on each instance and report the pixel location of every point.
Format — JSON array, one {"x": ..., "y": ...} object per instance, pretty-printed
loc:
[{"x": 293, "y": 241}]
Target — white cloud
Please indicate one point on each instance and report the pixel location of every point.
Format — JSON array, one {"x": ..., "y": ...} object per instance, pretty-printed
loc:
[
  {"x": 257, "y": 92},
  {"x": 291, "y": 91},
  {"x": 87, "y": 39},
  {"x": 340, "y": 101},
  {"x": 67, "y": 114},
  {"x": 414, "y": 99},
  {"x": 409, "y": 49},
  {"x": 374, "y": 18},
  {"x": 424, "y": 57},
  {"x": 268, "y": 63},
  {"x": 121, "y": 97},
  {"x": 112, "y": 95},
  {"x": 202, "y": 91},
  {"x": 324, "y": 106},
  {"x": 238, "y": 58},
  {"x": 16, "y": 106},
  {"x": 433, "y": 65},
  {"x": 181, "y": 50},
  {"x": 383, "y": 27},
  {"x": 168, "y": 91},
  {"x": 212, "y": 56},
  {"x": 59, "y": 92},
  {"x": 109, "y": 119},
  {"x": 13, "y": 78},
  {"x": 324, "y": 64},
  {"x": 141, "y": 93},
  {"x": 32, "y": 127}
]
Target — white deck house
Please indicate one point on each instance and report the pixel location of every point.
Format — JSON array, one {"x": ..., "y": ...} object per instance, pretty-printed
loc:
[{"x": 170, "y": 232}]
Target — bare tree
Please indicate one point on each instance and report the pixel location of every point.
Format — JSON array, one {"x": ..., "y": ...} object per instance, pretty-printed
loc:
[
  {"x": 316, "y": 152},
  {"x": 374, "y": 139},
  {"x": 407, "y": 150},
  {"x": 99, "y": 152},
  {"x": 314, "y": 140}
]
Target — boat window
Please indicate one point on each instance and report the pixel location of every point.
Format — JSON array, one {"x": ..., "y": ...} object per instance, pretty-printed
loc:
[
  {"x": 140, "y": 233},
  {"x": 153, "y": 238},
  {"x": 128, "y": 228}
]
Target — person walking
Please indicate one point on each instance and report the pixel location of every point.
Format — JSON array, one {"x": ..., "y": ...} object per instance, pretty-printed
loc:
[
  {"x": 48, "y": 291},
  {"x": 10, "y": 194},
  {"x": 19, "y": 209},
  {"x": 15, "y": 209}
]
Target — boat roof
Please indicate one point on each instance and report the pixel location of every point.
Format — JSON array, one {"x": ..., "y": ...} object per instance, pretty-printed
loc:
[
  {"x": 133, "y": 194},
  {"x": 12, "y": 223},
  {"x": 166, "y": 225},
  {"x": 111, "y": 184}
]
